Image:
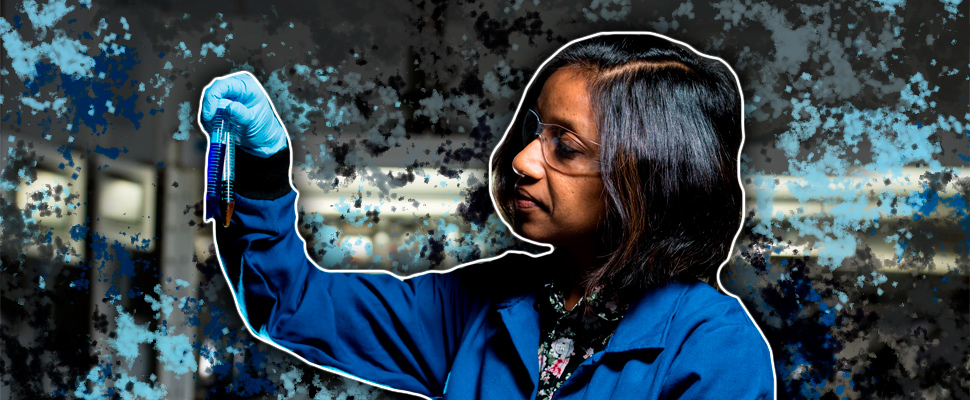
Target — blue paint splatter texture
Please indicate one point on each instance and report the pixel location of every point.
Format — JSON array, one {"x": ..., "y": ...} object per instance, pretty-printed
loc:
[{"x": 854, "y": 259}]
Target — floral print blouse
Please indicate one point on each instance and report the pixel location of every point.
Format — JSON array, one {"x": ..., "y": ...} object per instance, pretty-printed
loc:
[{"x": 567, "y": 337}]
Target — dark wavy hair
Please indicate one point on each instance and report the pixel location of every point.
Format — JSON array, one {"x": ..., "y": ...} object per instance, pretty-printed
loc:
[{"x": 670, "y": 127}]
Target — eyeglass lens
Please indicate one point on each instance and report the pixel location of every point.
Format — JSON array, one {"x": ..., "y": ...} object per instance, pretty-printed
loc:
[{"x": 560, "y": 155}]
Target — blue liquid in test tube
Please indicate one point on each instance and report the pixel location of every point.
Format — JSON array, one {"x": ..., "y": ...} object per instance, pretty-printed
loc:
[{"x": 215, "y": 163}]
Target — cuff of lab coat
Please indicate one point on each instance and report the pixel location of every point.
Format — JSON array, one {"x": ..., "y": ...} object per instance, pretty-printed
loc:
[{"x": 261, "y": 178}]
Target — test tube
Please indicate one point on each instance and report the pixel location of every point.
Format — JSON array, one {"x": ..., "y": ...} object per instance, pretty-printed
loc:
[{"x": 227, "y": 199}]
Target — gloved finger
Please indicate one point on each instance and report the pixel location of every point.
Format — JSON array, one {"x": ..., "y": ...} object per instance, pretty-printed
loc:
[
  {"x": 240, "y": 116},
  {"x": 220, "y": 103},
  {"x": 230, "y": 88}
]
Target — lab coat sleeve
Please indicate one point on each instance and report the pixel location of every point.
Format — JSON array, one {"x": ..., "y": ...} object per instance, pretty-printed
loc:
[
  {"x": 373, "y": 326},
  {"x": 721, "y": 361}
]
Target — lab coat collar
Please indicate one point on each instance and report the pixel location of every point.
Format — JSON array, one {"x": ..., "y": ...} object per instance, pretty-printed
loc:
[
  {"x": 647, "y": 322},
  {"x": 521, "y": 322},
  {"x": 644, "y": 325}
]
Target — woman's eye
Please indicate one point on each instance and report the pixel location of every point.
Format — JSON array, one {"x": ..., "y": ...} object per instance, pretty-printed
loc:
[{"x": 564, "y": 149}]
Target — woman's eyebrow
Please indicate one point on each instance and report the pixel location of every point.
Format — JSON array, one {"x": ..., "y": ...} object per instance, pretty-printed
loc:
[{"x": 557, "y": 120}]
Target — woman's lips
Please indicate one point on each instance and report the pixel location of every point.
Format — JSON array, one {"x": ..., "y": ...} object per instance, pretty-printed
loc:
[
  {"x": 525, "y": 204},
  {"x": 524, "y": 201}
]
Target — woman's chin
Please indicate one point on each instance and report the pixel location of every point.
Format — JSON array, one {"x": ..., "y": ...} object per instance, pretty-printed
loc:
[{"x": 536, "y": 234}]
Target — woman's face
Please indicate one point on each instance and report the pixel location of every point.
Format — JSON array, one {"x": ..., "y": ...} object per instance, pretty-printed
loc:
[{"x": 552, "y": 206}]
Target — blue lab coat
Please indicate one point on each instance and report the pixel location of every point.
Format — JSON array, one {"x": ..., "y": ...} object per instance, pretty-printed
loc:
[{"x": 474, "y": 333}]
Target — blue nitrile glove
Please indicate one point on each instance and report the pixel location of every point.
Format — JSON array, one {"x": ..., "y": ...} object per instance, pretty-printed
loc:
[{"x": 254, "y": 121}]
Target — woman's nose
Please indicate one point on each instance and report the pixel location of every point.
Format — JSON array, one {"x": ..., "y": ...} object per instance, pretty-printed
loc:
[{"x": 529, "y": 161}]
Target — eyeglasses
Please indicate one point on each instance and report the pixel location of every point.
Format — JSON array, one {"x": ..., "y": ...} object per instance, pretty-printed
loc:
[{"x": 562, "y": 149}]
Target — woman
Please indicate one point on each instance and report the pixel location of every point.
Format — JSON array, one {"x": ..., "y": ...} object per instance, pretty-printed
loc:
[{"x": 623, "y": 156}]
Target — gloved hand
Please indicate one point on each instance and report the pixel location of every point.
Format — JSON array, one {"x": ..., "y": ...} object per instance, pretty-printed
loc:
[{"x": 257, "y": 128}]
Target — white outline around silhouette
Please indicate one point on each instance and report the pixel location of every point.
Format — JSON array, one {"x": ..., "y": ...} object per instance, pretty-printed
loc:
[{"x": 505, "y": 137}]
